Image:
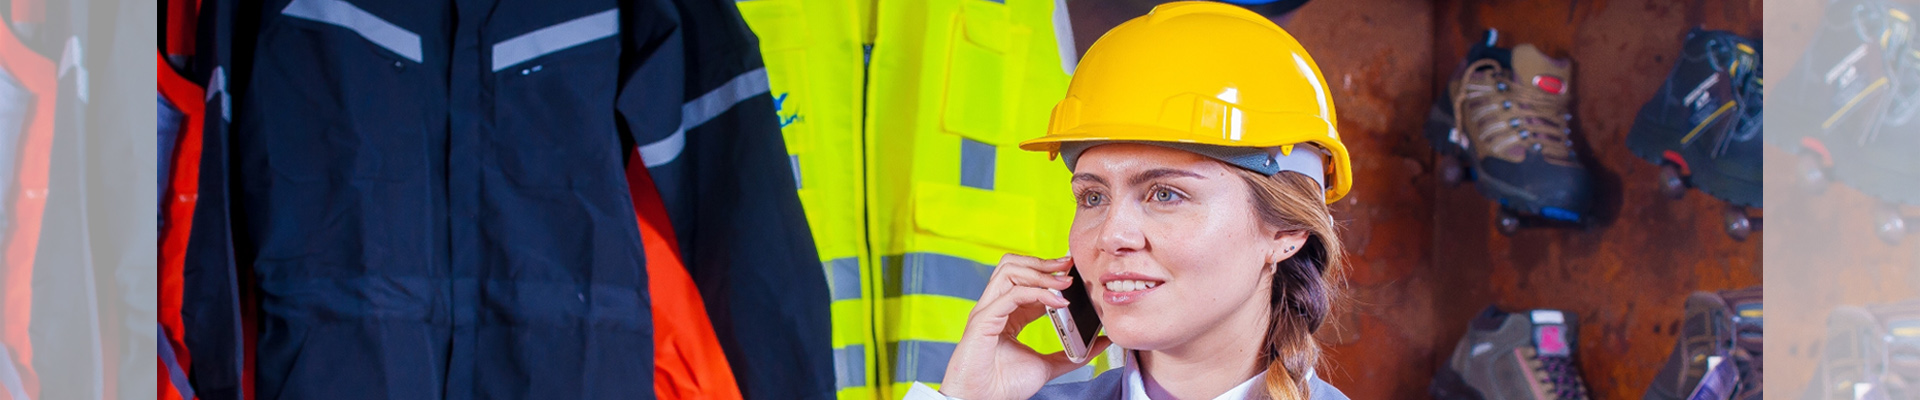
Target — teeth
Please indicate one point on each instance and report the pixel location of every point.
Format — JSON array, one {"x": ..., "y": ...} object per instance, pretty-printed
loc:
[{"x": 1129, "y": 286}]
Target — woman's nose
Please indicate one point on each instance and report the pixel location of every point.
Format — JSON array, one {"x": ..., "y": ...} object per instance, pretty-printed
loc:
[{"x": 1121, "y": 234}]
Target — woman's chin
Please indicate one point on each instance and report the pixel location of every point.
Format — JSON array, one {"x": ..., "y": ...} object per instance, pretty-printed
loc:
[{"x": 1139, "y": 335}]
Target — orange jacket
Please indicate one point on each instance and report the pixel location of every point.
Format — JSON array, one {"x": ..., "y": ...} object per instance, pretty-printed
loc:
[{"x": 687, "y": 360}]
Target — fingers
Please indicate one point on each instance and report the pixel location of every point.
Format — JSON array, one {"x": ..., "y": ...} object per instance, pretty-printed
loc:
[
  {"x": 1019, "y": 281},
  {"x": 1018, "y": 270},
  {"x": 1021, "y": 296},
  {"x": 1047, "y": 265},
  {"x": 1021, "y": 276},
  {"x": 991, "y": 316}
]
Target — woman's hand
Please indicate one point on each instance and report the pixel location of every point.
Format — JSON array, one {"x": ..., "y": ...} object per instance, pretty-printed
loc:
[{"x": 989, "y": 363}]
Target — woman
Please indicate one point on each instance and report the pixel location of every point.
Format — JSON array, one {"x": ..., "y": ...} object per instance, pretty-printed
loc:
[{"x": 1203, "y": 147}]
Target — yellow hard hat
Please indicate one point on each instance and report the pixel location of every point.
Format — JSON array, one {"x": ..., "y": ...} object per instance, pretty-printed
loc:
[{"x": 1196, "y": 75}]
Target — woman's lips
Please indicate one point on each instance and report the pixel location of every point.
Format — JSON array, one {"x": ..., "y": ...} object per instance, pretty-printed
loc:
[
  {"x": 1124, "y": 298},
  {"x": 1124, "y": 288}
]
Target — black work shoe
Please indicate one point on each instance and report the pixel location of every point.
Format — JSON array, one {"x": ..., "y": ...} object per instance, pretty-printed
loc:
[
  {"x": 1850, "y": 76},
  {"x": 1704, "y": 124},
  {"x": 1852, "y": 109}
]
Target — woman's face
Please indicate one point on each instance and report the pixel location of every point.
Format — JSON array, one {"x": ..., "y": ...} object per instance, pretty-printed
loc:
[{"x": 1170, "y": 245}]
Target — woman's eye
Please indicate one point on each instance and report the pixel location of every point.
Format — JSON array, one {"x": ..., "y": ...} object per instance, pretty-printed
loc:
[
  {"x": 1164, "y": 195},
  {"x": 1092, "y": 199}
]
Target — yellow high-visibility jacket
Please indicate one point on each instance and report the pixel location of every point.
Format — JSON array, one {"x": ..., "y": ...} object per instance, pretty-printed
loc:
[{"x": 902, "y": 118}]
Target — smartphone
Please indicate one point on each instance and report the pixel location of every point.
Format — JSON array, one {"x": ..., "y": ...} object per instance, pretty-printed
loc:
[{"x": 1077, "y": 324}]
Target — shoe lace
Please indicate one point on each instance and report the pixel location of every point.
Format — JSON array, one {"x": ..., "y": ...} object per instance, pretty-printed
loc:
[
  {"x": 1561, "y": 377},
  {"x": 1748, "y": 111},
  {"x": 1533, "y": 119}
]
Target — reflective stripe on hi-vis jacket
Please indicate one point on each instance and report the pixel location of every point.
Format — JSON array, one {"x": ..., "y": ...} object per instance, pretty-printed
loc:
[
  {"x": 954, "y": 86},
  {"x": 812, "y": 50}
]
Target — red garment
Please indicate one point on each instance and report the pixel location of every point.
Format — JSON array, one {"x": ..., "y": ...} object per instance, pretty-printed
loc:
[
  {"x": 183, "y": 192},
  {"x": 181, "y": 17},
  {"x": 687, "y": 360},
  {"x": 36, "y": 74}
]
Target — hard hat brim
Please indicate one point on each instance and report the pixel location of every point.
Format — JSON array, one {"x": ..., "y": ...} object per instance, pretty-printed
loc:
[{"x": 1338, "y": 164}]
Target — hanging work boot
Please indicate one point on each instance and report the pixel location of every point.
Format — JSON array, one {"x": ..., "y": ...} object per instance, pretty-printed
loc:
[
  {"x": 1871, "y": 352},
  {"x": 1850, "y": 109},
  {"x": 1717, "y": 354},
  {"x": 1513, "y": 356},
  {"x": 1845, "y": 80},
  {"x": 1703, "y": 127},
  {"x": 1701, "y": 362},
  {"x": 1506, "y": 123},
  {"x": 1859, "y": 77}
]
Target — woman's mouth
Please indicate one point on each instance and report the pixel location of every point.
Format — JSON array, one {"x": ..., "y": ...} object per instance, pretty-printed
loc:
[
  {"x": 1126, "y": 288},
  {"x": 1129, "y": 286}
]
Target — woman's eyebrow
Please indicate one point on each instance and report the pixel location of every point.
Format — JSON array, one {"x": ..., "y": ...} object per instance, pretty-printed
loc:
[
  {"x": 1089, "y": 177},
  {"x": 1158, "y": 173}
]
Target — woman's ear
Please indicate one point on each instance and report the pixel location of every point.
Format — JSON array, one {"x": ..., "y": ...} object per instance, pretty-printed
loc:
[{"x": 1286, "y": 244}]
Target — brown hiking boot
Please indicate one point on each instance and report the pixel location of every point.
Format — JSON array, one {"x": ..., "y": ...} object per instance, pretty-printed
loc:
[
  {"x": 1507, "y": 122},
  {"x": 1513, "y": 356},
  {"x": 1718, "y": 353}
]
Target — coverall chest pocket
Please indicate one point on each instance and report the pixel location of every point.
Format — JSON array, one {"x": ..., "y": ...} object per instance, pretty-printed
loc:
[
  {"x": 554, "y": 99},
  {"x": 342, "y": 96}
]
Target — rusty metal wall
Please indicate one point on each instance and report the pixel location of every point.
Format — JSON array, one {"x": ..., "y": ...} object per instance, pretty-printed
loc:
[
  {"x": 1428, "y": 257},
  {"x": 1378, "y": 56}
]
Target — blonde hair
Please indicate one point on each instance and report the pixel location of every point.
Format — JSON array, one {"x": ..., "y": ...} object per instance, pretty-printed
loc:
[{"x": 1305, "y": 286}]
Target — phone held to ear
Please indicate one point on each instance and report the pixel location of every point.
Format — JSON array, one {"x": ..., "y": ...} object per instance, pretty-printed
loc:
[{"x": 1077, "y": 324}]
